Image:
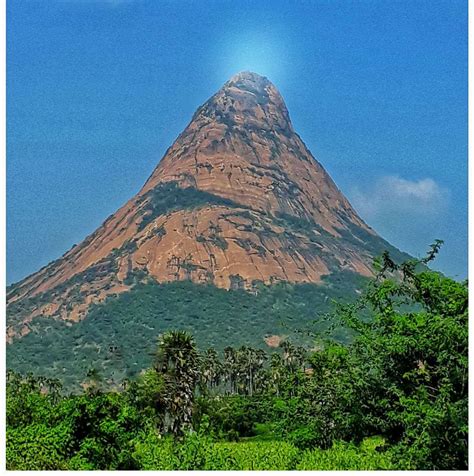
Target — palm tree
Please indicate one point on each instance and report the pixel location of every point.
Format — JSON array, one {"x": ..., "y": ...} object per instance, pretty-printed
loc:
[
  {"x": 250, "y": 363},
  {"x": 230, "y": 368},
  {"x": 53, "y": 387},
  {"x": 276, "y": 372},
  {"x": 260, "y": 380},
  {"x": 177, "y": 359},
  {"x": 245, "y": 369},
  {"x": 293, "y": 356},
  {"x": 211, "y": 369},
  {"x": 288, "y": 356},
  {"x": 300, "y": 357}
]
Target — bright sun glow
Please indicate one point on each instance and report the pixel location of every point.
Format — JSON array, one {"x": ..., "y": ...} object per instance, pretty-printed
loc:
[{"x": 260, "y": 52}]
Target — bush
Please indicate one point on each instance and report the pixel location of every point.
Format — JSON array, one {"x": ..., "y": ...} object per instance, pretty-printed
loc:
[{"x": 37, "y": 447}]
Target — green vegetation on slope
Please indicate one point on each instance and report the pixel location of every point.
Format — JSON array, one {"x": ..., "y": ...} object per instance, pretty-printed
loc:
[{"x": 117, "y": 338}]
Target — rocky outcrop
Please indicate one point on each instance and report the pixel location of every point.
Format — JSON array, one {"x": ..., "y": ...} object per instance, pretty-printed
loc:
[{"x": 237, "y": 200}]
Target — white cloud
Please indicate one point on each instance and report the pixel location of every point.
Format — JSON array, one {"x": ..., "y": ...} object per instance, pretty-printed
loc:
[
  {"x": 410, "y": 214},
  {"x": 393, "y": 194}
]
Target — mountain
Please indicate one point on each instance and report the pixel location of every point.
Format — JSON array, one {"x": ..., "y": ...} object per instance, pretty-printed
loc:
[{"x": 238, "y": 202}]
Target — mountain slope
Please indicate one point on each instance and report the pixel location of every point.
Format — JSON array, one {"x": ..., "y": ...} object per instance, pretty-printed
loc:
[{"x": 237, "y": 201}]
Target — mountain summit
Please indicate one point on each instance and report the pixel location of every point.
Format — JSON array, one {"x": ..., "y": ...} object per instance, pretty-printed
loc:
[{"x": 237, "y": 201}]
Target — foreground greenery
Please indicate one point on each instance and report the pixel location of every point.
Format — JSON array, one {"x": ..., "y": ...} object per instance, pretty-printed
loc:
[{"x": 395, "y": 397}]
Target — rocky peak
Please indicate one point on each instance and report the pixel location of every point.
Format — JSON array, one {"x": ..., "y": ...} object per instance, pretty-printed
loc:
[
  {"x": 249, "y": 80},
  {"x": 247, "y": 102},
  {"x": 238, "y": 199},
  {"x": 240, "y": 145}
]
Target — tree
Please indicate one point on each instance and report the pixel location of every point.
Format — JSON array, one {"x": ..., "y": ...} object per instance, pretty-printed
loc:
[
  {"x": 249, "y": 363},
  {"x": 177, "y": 359},
  {"x": 260, "y": 376},
  {"x": 403, "y": 376},
  {"x": 412, "y": 362},
  {"x": 146, "y": 393},
  {"x": 230, "y": 368},
  {"x": 211, "y": 370},
  {"x": 293, "y": 356},
  {"x": 276, "y": 373}
]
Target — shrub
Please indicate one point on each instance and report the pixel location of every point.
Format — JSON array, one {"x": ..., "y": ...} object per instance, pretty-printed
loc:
[{"x": 37, "y": 447}]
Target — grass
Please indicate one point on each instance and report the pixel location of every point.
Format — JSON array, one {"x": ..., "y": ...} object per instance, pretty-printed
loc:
[{"x": 197, "y": 453}]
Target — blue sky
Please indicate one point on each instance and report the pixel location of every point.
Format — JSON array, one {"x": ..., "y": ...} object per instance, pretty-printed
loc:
[{"x": 98, "y": 89}]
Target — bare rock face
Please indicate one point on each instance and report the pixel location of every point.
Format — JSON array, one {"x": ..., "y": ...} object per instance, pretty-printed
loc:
[{"x": 237, "y": 200}]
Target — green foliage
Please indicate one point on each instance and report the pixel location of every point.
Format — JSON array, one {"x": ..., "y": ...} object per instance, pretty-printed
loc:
[
  {"x": 234, "y": 417},
  {"x": 37, "y": 447},
  {"x": 275, "y": 455},
  {"x": 347, "y": 456},
  {"x": 152, "y": 452},
  {"x": 146, "y": 393},
  {"x": 197, "y": 452},
  {"x": 200, "y": 453},
  {"x": 405, "y": 375},
  {"x": 90, "y": 431},
  {"x": 402, "y": 377},
  {"x": 101, "y": 426},
  {"x": 420, "y": 365},
  {"x": 118, "y": 338}
]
